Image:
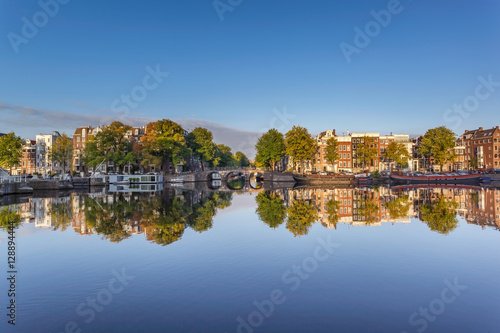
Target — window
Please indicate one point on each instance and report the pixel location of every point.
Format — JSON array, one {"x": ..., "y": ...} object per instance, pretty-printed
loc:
[
  {"x": 77, "y": 139},
  {"x": 349, "y": 155},
  {"x": 348, "y": 148}
]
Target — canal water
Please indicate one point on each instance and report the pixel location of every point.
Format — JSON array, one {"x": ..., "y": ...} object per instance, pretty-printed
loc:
[{"x": 290, "y": 260}]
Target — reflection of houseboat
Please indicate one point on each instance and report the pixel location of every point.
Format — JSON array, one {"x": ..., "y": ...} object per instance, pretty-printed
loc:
[
  {"x": 144, "y": 187},
  {"x": 437, "y": 179},
  {"x": 135, "y": 179}
]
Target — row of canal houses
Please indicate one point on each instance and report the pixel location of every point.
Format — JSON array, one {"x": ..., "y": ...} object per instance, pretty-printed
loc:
[{"x": 479, "y": 148}]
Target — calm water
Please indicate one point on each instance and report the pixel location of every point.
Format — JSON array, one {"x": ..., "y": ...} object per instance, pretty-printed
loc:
[{"x": 306, "y": 260}]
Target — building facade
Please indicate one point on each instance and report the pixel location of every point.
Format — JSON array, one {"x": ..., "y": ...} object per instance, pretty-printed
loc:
[{"x": 44, "y": 143}]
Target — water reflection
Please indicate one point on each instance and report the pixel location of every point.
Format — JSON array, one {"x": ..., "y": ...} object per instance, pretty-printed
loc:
[{"x": 164, "y": 216}]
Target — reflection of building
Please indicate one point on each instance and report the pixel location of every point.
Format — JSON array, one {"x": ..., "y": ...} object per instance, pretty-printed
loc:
[{"x": 371, "y": 207}]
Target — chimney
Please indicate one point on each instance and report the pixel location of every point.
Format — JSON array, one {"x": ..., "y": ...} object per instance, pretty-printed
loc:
[{"x": 480, "y": 128}]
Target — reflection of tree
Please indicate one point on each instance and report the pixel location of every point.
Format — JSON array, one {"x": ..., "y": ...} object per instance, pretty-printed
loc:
[
  {"x": 109, "y": 219},
  {"x": 61, "y": 214},
  {"x": 203, "y": 214},
  {"x": 368, "y": 210},
  {"x": 166, "y": 221},
  {"x": 398, "y": 208},
  {"x": 270, "y": 209},
  {"x": 332, "y": 208},
  {"x": 9, "y": 216},
  {"x": 301, "y": 216},
  {"x": 440, "y": 215},
  {"x": 474, "y": 198}
]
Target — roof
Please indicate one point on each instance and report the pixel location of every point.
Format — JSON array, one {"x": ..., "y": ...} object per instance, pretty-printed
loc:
[{"x": 484, "y": 133}]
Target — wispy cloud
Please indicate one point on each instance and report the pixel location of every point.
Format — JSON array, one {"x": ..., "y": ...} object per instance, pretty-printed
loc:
[{"x": 28, "y": 121}]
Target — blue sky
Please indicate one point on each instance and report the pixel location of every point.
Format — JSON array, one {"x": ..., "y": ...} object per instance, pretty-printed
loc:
[{"x": 235, "y": 75}]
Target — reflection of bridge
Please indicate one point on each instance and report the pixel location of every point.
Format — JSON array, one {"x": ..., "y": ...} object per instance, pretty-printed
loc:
[{"x": 232, "y": 179}]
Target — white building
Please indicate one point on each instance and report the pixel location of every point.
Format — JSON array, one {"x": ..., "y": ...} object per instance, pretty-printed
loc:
[{"x": 44, "y": 143}]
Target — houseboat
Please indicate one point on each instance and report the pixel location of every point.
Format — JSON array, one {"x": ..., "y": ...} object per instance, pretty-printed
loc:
[
  {"x": 435, "y": 179},
  {"x": 135, "y": 179}
]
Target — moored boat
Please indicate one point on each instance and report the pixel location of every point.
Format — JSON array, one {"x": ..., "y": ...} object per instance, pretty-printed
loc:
[{"x": 437, "y": 179}]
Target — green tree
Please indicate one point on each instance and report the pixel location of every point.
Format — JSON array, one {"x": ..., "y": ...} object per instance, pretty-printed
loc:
[
  {"x": 301, "y": 216},
  {"x": 398, "y": 153},
  {"x": 367, "y": 151},
  {"x": 270, "y": 148},
  {"x": 332, "y": 208},
  {"x": 332, "y": 146},
  {"x": 440, "y": 215},
  {"x": 241, "y": 159},
  {"x": 200, "y": 141},
  {"x": 164, "y": 142},
  {"x": 300, "y": 145},
  {"x": 110, "y": 145},
  {"x": 223, "y": 156},
  {"x": 10, "y": 151},
  {"x": 438, "y": 143},
  {"x": 398, "y": 208},
  {"x": 9, "y": 217},
  {"x": 270, "y": 209},
  {"x": 473, "y": 163},
  {"x": 62, "y": 151}
]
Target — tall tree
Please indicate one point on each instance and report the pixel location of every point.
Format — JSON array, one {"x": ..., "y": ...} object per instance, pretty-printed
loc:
[
  {"x": 438, "y": 143},
  {"x": 270, "y": 149},
  {"x": 10, "y": 151},
  {"x": 270, "y": 209},
  {"x": 398, "y": 153},
  {"x": 367, "y": 151},
  {"x": 332, "y": 146},
  {"x": 109, "y": 145},
  {"x": 241, "y": 159},
  {"x": 164, "y": 142},
  {"x": 200, "y": 141},
  {"x": 223, "y": 156},
  {"x": 300, "y": 145},
  {"x": 62, "y": 151}
]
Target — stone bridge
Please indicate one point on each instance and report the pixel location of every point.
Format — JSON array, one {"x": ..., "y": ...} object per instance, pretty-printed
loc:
[{"x": 233, "y": 178}]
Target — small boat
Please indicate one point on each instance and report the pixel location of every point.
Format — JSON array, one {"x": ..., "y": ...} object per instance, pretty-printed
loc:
[{"x": 437, "y": 179}]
